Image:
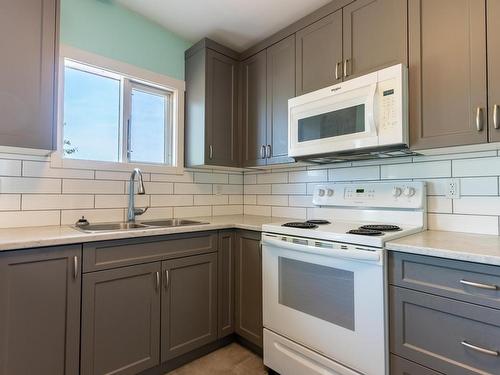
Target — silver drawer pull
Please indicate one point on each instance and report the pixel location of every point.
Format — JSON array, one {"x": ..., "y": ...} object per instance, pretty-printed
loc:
[
  {"x": 479, "y": 349},
  {"x": 479, "y": 119},
  {"x": 496, "y": 116},
  {"x": 479, "y": 285}
]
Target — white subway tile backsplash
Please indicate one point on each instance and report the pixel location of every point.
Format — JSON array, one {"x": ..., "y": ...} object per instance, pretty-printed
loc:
[
  {"x": 14, "y": 219},
  {"x": 69, "y": 217},
  {"x": 272, "y": 200},
  {"x": 464, "y": 223},
  {"x": 56, "y": 201},
  {"x": 477, "y": 205},
  {"x": 300, "y": 201},
  {"x": 272, "y": 178},
  {"x": 228, "y": 189},
  {"x": 291, "y": 212},
  {"x": 476, "y": 167},
  {"x": 92, "y": 187},
  {"x": 43, "y": 169},
  {"x": 120, "y": 201},
  {"x": 16, "y": 185},
  {"x": 10, "y": 202},
  {"x": 210, "y": 200},
  {"x": 183, "y": 188},
  {"x": 315, "y": 175},
  {"x": 290, "y": 189},
  {"x": 227, "y": 210},
  {"x": 116, "y": 176},
  {"x": 185, "y": 177},
  {"x": 439, "y": 205},
  {"x": 236, "y": 179},
  {"x": 193, "y": 211},
  {"x": 158, "y": 187},
  {"x": 354, "y": 173},
  {"x": 257, "y": 189},
  {"x": 171, "y": 200},
  {"x": 432, "y": 169},
  {"x": 10, "y": 167},
  {"x": 154, "y": 213},
  {"x": 236, "y": 199},
  {"x": 249, "y": 179},
  {"x": 249, "y": 199},
  {"x": 257, "y": 210},
  {"x": 479, "y": 186},
  {"x": 211, "y": 178}
]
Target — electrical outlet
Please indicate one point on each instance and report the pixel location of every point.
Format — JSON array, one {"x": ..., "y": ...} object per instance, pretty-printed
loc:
[{"x": 453, "y": 189}]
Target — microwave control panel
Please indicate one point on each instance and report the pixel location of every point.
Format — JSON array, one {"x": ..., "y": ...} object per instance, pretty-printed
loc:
[{"x": 388, "y": 99}]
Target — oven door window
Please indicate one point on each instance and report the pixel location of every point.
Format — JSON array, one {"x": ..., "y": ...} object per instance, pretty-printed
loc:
[
  {"x": 323, "y": 292},
  {"x": 344, "y": 121}
]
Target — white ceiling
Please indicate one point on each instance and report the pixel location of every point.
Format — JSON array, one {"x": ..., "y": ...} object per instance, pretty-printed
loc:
[{"x": 237, "y": 24}]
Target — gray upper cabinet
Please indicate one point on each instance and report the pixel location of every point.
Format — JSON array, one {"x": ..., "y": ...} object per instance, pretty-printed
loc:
[
  {"x": 493, "y": 19},
  {"x": 319, "y": 54},
  {"x": 189, "y": 304},
  {"x": 121, "y": 320},
  {"x": 211, "y": 106},
  {"x": 280, "y": 88},
  {"x": 447, "y": 73},
  {"x": 28, "y": 41},
  {"x": 374, "y": 35},
  {"x": 254, "y": 109},
  {"x": 248, "y": 287},
  {"x": 40, "y": 311}
]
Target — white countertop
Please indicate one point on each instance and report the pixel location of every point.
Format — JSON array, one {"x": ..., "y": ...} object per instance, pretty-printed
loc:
[
  {"x": 23, "y": 238},
  {"x": 467, "y": 247}
]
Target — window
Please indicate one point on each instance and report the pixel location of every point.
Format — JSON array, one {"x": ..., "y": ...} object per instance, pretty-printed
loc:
[{"x": 110, "y": 117}]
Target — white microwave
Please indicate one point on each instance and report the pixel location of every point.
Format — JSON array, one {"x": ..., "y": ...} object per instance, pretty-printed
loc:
[{"x": 367, "y": 115}]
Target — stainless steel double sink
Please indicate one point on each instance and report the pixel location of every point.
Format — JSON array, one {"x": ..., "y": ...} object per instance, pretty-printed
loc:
[{"x": 152, "y": 224}]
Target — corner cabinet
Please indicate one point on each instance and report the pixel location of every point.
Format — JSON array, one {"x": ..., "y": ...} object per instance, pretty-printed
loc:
[
  {"x": 212, "y": 136},
  {"x": 40, "y": 311},
  {"x": 248, "y": 287},
  {"x": 29, "y": 40},
  {"x": 447, "y": 73}
]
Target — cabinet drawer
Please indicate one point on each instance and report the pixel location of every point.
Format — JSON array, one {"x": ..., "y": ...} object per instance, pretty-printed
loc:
[
  {"x": 111, "y": 254},
  {"x": 470, "y": 282},
  {"x": 443, "y": 334},
  {"x": 400, "y": 366}
]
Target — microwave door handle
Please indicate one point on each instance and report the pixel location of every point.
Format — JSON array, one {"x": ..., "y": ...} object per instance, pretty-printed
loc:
[
  {"x": 365, "y": 255},
  {"x": 370, "y": 103}
]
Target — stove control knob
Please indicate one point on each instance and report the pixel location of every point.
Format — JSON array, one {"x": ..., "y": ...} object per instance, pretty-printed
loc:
[
  {"x": 321, "y": 192},
  {"x": 409, "y": 192},
  {"x": 396, "y": 192},
  {"x": 330, "y": 192}
]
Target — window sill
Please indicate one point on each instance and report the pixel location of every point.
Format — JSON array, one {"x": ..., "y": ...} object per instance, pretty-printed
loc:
[{"x": 56, "y": 161}]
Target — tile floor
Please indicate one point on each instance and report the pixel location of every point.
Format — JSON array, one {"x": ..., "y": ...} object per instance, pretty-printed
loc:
[{"x": 230, "y": 360}]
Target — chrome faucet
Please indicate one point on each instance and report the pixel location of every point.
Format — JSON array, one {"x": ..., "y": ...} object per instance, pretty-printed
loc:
[{"x": 132, "y": 211}]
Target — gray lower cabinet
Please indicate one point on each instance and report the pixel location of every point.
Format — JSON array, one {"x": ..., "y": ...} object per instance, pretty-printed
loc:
[
  {"x": 447, "y": 73},
  {"x": 493, "y": 22},
  {"x": 40, "y": 311},
  {"x": 319, "y": 54},
  {"x": 121, "y": 320},
  {"x": 29, "y": 40},
  {"x": 248, "y": 286},
  {"x": 401, "y": 366},
  {"x": 374, "y": 35},
  {"x": 225, "y": 283},
  {"x": 189, "y": 304}
]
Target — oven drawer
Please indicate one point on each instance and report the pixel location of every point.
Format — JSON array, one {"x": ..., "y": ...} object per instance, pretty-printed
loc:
[
  {"x": 287, "y": 357},
  {"x": 449, "y": 336},
  {"x": 469, "y": 282},
  {"x": 401, "y": 366}
]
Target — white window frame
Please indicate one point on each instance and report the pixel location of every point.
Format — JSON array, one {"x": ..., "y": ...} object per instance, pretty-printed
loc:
[{"x": 105, "y": 66}]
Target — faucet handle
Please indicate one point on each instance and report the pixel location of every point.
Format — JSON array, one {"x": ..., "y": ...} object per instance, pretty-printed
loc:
[{"x": 140, "y": 211}]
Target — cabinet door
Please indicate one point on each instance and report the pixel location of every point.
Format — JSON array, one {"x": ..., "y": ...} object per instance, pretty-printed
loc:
[
  {"x": 280, "y": 88},
  {"x": 319, "y": 54},
  {"x": 40, "y": 311},
  {"x": 248, "y": 287},
  {"x": 447, "y": 76},
  {"x": 493, "y": 16},
  {"x": 189, "y": 304},
  {"x": 222, "y": 110},
  {"x": 225, "y": 277},
  {"x": 254, "y": 116},
  {"x": 375, "y": 35},
  {"x": 28, "y": 41},
  {"x": 121, "y": 320},
  {"x": 400, "y": 366}
]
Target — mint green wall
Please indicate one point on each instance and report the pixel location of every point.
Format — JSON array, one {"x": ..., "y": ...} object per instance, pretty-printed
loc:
[{"x": 107, "y": 29}]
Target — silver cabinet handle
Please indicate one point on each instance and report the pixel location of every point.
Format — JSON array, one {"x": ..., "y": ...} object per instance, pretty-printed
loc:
[
  {"x": 75, "y": 266},
  {"x": 268, "y": 153},
  {"x": 338, "y": 66},
  {"x": 479, "y": 119},
  {"x": 167, "y": 279},
  {"x": 479, "y": 349},
  {"x": 157, "y": 281},
  {"x": 263, "y": 152},
  {"x": 479, "y": 285},
  {"x": 210, "y": 152},
  {"x": 346, "y": 66},
  {"x": 496, "y": 116}
]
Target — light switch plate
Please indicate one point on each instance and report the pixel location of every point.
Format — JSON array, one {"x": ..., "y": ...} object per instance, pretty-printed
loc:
[{"x": 453, "y": 188}]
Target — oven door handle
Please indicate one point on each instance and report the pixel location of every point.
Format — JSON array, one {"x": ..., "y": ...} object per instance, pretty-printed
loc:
[{"x": 365, "y": 255}]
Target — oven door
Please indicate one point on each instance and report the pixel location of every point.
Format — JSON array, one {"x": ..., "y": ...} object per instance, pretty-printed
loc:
[
  {"x": 328, "y": 121},
  {"x": 327, "y": 297}
]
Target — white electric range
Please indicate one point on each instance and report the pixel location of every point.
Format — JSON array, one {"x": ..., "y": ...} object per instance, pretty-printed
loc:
[{"x": 324, "y": 281}]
